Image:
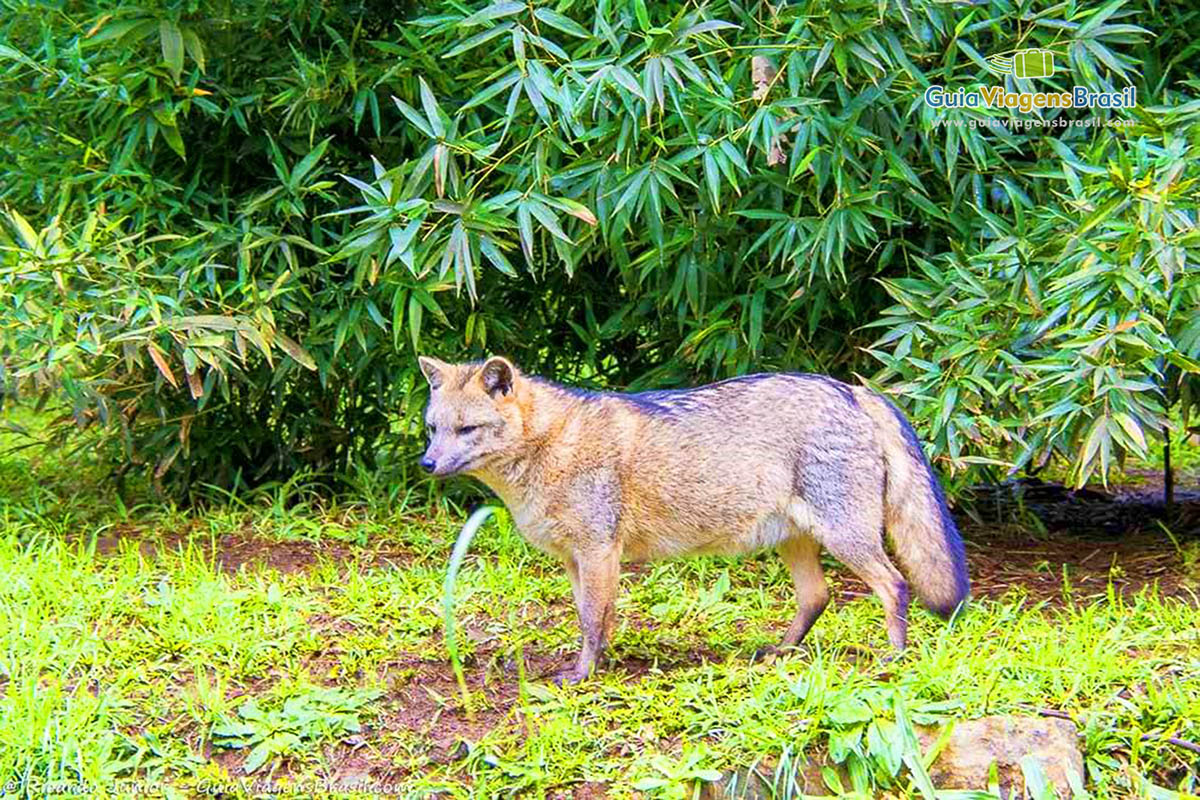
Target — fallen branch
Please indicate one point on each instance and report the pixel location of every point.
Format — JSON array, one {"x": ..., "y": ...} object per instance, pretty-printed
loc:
[
  {"x": 1146, "y": 737},
  {"x": 1175, "y": 740}
]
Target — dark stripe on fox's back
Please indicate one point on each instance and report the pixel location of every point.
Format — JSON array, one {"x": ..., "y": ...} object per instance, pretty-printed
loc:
[
  {"x": 671, "y": 402},
  {"x": 668, "y": 403}
]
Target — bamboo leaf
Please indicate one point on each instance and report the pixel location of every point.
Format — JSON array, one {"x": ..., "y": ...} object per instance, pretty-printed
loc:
[
  {"x": 172, "y": 47},
  {"x": 496, "y": 257},
  {"x": 478, "y": 39},
  {"x": 414, "y": 116},
  {"x": 194, "y": 48},
  {"x": 562, "y": 23},
  {"x": 295, "y": 351},
  {"x": 433, "y": 112},
  {"x": 505, "y": 8}
]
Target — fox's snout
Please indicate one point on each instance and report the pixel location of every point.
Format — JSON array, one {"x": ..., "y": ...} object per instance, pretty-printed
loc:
[
  {"x": 440, "y": 465},
  {"x": 443, "y": 457}
]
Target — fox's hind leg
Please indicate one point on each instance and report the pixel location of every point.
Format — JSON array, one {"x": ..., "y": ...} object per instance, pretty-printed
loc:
[
  {"x": 839, "y": 501},
  {"x": 863, "y": 553},
  {"x": 802, "y": 555}
]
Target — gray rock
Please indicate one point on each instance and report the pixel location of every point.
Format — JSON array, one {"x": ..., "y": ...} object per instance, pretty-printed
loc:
[{"x": 973, "y": 746}]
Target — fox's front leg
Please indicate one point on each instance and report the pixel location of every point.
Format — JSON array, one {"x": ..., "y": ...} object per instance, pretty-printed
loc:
[{"x": 594, "y": 573}]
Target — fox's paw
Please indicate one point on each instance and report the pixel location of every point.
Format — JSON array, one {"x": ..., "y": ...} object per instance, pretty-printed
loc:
[
  {"x": 765, "y": 653},
  {"x": 570, "y": 677},
  {"x": 771, "y": 652}
]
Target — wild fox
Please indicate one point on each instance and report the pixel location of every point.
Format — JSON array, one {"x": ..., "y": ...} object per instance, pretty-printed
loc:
[{"x": 789, "y": 461}]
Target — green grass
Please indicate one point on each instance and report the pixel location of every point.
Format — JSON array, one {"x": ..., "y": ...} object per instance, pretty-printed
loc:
[{"x": 130, "y": 651}]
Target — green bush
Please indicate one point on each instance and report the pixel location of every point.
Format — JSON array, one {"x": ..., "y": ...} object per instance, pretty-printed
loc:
[{"x": 248, "y": 217}]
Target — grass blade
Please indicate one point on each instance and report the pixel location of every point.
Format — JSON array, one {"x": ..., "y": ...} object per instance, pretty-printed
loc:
[{"x": 473, "y": 524}]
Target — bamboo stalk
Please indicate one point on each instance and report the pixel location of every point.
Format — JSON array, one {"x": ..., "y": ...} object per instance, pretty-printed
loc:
[{"x": 1168, "y": 473}]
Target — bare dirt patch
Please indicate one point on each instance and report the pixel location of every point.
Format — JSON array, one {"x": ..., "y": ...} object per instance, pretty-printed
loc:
[
  {"x": 243, "y": 549},
  {"x": 1091, "y": 538}
]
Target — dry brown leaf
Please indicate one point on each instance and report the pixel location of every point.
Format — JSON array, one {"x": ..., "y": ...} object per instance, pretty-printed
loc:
[
  {"x": 777, "y": 156},
  {"x": 762, "y": 73},
  {"x": 160, "y": 361},
  {"x": 195, "y": 385}
]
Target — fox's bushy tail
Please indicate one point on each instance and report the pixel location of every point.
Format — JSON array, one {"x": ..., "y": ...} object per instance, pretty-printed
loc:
[{"x": 919, "y": 525}]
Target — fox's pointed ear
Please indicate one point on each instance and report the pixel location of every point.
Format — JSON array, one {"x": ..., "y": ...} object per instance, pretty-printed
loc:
[
  {"x": 498, "y": 375},
  {"x": 434, "y": 370}
]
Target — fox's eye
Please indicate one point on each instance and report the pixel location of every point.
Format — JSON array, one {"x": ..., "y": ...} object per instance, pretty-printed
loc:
[{"x": 465, "y": 429}]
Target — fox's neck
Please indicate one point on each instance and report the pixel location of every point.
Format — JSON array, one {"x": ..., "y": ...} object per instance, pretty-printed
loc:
[
  {"x": 546, "y": 413},
  {"x": 509, "y": 481}
]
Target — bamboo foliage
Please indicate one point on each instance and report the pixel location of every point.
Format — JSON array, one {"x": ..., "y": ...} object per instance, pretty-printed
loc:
[{"x": 618, "y": 193}]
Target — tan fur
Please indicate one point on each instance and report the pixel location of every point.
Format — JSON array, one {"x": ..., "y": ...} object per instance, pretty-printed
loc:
[{"x": 773, "y": 461}]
